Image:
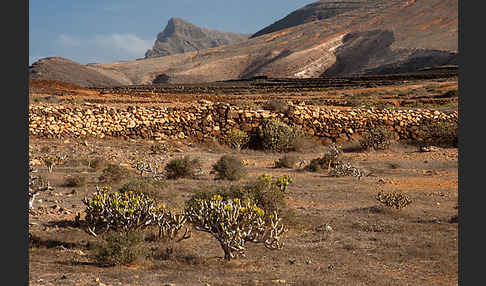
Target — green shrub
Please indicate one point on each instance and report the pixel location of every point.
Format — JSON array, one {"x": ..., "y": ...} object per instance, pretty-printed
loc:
[
  {"x": 113, "y": 173},
  {"x": 237, "y": 138},
  {"x": 267, "y": 192},
  {"x": 235, "y": 222},
  {"x": 118, "y": 249},
  {"x": 277, "y": 136},
  {"x": 441, "y": 134},
  {"x": 393, "y": 199},
  {"x": 287, "y": 161},
  {"x": 379, "y": 138},
  {"x": 182, "y": 168},
  {"x": 229, "y": 168},
  {"x": 75, "y": 181}
]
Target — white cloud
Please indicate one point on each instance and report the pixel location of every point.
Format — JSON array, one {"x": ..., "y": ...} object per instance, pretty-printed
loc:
[
  {"x": 104, "y": 48},
  {"x": 68, "y": 41},
  {"x": 125, "y": 43}
]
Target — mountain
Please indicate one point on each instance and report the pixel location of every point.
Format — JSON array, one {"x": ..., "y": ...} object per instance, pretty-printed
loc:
[
  {"x": 66, "y": 70},
  {"x": 376, "y": 37},
  {"x": 320, "y": 10},
  {"x": 180, "y": 36}
]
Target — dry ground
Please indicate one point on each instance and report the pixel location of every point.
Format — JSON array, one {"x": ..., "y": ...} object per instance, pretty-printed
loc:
[{"x": 368, "y": 245}]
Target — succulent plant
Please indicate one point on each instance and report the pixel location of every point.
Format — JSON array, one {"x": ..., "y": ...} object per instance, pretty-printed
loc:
[
  {"x": 237, "y": 138},
  {"x": 343, "y": 169},
  {"x": 234, "y": 222},
  {"x": 394, "y": 199}
]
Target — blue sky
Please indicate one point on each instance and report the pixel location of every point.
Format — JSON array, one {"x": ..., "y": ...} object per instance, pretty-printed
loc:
[{"x": 89, "y": 31}]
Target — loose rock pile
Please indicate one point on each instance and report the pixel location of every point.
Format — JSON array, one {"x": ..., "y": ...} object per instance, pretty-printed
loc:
[{"x": 207, "y": 119}]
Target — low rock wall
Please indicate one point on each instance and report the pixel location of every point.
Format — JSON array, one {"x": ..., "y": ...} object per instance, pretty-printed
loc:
[{"x": 206, "y": 119}]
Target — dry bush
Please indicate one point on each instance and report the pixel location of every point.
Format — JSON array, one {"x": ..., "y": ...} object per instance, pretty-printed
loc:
[
  {"x": 98, "y": 163},
  {"x": 75, "y": 181},
  {"x": 287, "y": 161},
  {"x": 330, "y": 159},
  {"x": 182, "y": 168},
  {"x": 379, "y": 138},
  {"x": 113, "y": 173},
  {"x": 394, "y": 199},
  {"x": 229, "y": 168},
  {"x": 441, "y": 134},
  {"x": 276, "y": 136},
  {"x": 160, "y": 148},
  {"x": 118, "y": 248}
]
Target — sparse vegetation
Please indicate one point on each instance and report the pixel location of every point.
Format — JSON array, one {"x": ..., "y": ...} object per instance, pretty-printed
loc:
[
  {"x": 160, "y": 148},
  {"x": 75, "y": 181},
  {"x": 182, "y": 168},
  {"x": 113, "y": 173},
  {"x": 235, "y": 222},
  {"x": 379, "y": 138},
  {"x": 441, "y": 134},
  {"x": 277, "y": 136},
  {"x": 118, "y": 248},
  {"x": 330, "y": 159},
  {"x": 229, "y": 168},
  {"x": 287, "y": 161},
  {"x": 98, "y": 163},
  {"x": 394, "y": 199},
  {"x": 237, "y": 139}
]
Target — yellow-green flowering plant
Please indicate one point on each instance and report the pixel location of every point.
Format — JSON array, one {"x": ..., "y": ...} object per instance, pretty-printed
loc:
[
  {"x": 234, "y": 222},
  {"x": 130, "y": 211}
]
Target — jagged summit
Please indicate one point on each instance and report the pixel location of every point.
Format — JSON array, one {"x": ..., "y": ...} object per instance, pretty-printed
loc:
[{"x": 180, "y": 36}]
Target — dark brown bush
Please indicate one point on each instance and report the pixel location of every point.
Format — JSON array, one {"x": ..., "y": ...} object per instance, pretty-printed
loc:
[{"x": 229, "y": 168}]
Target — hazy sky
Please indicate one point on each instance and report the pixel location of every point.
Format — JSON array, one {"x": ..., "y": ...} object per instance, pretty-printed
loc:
[{"x": 89, "y": 31}]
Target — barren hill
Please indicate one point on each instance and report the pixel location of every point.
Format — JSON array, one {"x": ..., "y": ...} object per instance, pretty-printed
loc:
[
  {"x": 381, "y": 36},
  {"x": 319, "y": 10},
  {"x": 180, "y": 36}
]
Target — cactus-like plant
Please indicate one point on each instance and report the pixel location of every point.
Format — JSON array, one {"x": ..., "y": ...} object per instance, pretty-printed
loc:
[
  {"x": 394, "y": 199},
  {"x": 330, "y": 159},
  {"x": 152, "y": 167},
  {"x": 130, "y": 211},
  {"x": 50, "y": 160},
  {"x": 36, "y": 185},
  {"x": 343, "y": 169},
  {"x": 237, "y": 138},
  {"x": 125, "y": 212},
  {"x": 234, "y": 222}
]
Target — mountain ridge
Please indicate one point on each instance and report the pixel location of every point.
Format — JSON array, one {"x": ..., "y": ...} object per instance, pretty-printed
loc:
[{"x": 383, "y": 36}]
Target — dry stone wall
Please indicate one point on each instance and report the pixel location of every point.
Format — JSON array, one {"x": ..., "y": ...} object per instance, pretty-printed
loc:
[{"x": 206, "y": 119}]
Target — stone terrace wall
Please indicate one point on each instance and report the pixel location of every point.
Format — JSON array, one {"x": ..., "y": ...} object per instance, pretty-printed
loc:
[{"x": 206, "y": 119}]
